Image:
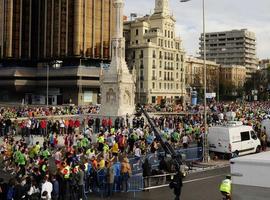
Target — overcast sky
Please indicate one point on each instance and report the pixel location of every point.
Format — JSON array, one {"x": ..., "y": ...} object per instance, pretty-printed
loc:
[{"x": 220, "y": 15}]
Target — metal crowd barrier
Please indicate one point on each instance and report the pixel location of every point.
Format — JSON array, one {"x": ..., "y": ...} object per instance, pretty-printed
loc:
[
  {"x": 99, "y": 187},
  {"x": 188, "y": 155}
]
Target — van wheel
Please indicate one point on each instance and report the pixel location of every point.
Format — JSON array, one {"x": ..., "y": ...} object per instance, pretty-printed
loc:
[{"x": 258, "y": 149}]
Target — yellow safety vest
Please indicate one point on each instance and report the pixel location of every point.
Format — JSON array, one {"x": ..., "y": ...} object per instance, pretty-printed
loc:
[
  {"x": 226, "y": 186},
  {"x": 106, "y": 148},
  {"x": 101, "y": 139}
]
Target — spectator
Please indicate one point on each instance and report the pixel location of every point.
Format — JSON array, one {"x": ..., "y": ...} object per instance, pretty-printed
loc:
[
  {"x": 109, "y": 179},
  {"x": 125, "y": 173},
  {"x": 147, "y": 171},
  {"x": 46, "y": 189}
]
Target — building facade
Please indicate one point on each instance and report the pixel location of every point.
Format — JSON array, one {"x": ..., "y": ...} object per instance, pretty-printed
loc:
[
  {"x": 153, "y": 49},
  {"x": 34, "y": 33},
  {"x": 194, "y": 68},
  {"x": 235, "y": 47},
  {"x": 233, "y": 78},
  {"x": 37, "y": 29}
]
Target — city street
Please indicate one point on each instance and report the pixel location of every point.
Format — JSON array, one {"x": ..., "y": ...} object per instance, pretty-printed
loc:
[{"x": 197, "y": 186}]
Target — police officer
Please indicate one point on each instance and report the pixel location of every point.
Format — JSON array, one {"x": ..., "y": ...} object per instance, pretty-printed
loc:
[
  {"x": 225, "y": 187},
  {"x": 176, "y": 184}
]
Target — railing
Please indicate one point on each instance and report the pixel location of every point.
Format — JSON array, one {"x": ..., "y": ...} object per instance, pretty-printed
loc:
[
  {"x": 125, "y": 184},
  {"x": 188, "y": 155}
]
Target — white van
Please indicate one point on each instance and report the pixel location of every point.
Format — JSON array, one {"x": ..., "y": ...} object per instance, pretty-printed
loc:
[
  {"x": 250, "y": 177},
  {"x": 266, "y": 124},
  {"x": 233, "y": 139}
]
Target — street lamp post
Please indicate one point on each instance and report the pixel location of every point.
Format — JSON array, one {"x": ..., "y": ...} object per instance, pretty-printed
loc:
[
  {"x": 205, "y": 141},
  {"x": 55, "y": 64}
]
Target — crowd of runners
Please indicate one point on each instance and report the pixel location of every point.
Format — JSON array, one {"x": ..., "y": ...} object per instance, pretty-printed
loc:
[{"x": 92, "y": 153}]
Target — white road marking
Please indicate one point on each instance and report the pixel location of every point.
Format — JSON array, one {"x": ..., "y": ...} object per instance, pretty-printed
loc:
[
  {"x": 205, "y": 178},
  {"x": 189, "y": 181}
]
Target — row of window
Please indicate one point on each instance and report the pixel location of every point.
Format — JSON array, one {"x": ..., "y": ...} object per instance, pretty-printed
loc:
[
  {"x": 166, "y": 86},
  {"x": 168, "y": 34},
  {"x": 167, "y": 75},
  {"x": 168, "y": 44}
]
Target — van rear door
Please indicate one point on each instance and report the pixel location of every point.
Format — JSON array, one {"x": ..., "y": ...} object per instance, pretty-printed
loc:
[{"x": 246, "y": 144}]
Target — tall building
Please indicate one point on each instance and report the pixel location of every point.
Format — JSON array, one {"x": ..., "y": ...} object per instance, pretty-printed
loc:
[
  {"x": 157, "y": 55},
  {"x": 35, "y": 33},
  {"x": 38, "y": 29},
  {"x": 235, "y": 47}
]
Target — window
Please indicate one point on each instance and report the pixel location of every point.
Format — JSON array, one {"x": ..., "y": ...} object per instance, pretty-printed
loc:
[
  {"x": 245, "y": 136},
  {"x": 141, "y": 64},
  {"x": 253, "y": 135},
  {"x": 153, "y": 99},
  {"x": 137, "y": 32},
  {"x": 141, "y": 73},
  {"x": 160, "y": 74},
  {"x": 141, "y": 55},
  {"x": 160, "y": 85},
  {"x": 137, "y": 41},
  {"x": 141, "y": 85},
  {"x": 153, "y": 85},
  {"x": 154, "y": 54}
]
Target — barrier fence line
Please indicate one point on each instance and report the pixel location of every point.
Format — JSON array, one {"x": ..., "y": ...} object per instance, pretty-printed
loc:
[{"x": 156, "y": 187}]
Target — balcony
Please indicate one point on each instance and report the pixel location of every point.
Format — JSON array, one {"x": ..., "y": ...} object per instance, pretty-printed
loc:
[{"x": 154, "y": 78}]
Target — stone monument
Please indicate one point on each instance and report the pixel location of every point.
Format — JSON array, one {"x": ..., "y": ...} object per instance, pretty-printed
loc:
[{"x": 117, "y": 83}]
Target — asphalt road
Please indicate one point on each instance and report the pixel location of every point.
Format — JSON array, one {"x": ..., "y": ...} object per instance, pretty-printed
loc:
[{"x": 197, "y": 186}]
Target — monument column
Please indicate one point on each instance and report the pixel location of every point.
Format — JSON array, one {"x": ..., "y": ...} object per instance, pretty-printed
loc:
[{"x": 117, "y": 83}]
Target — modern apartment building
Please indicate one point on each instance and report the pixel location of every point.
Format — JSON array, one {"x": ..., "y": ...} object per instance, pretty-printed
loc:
[
  {"x": 34, "y": 33},
  {"x": 155, "y": 52},
  {"x": 235, "y": 47}
]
